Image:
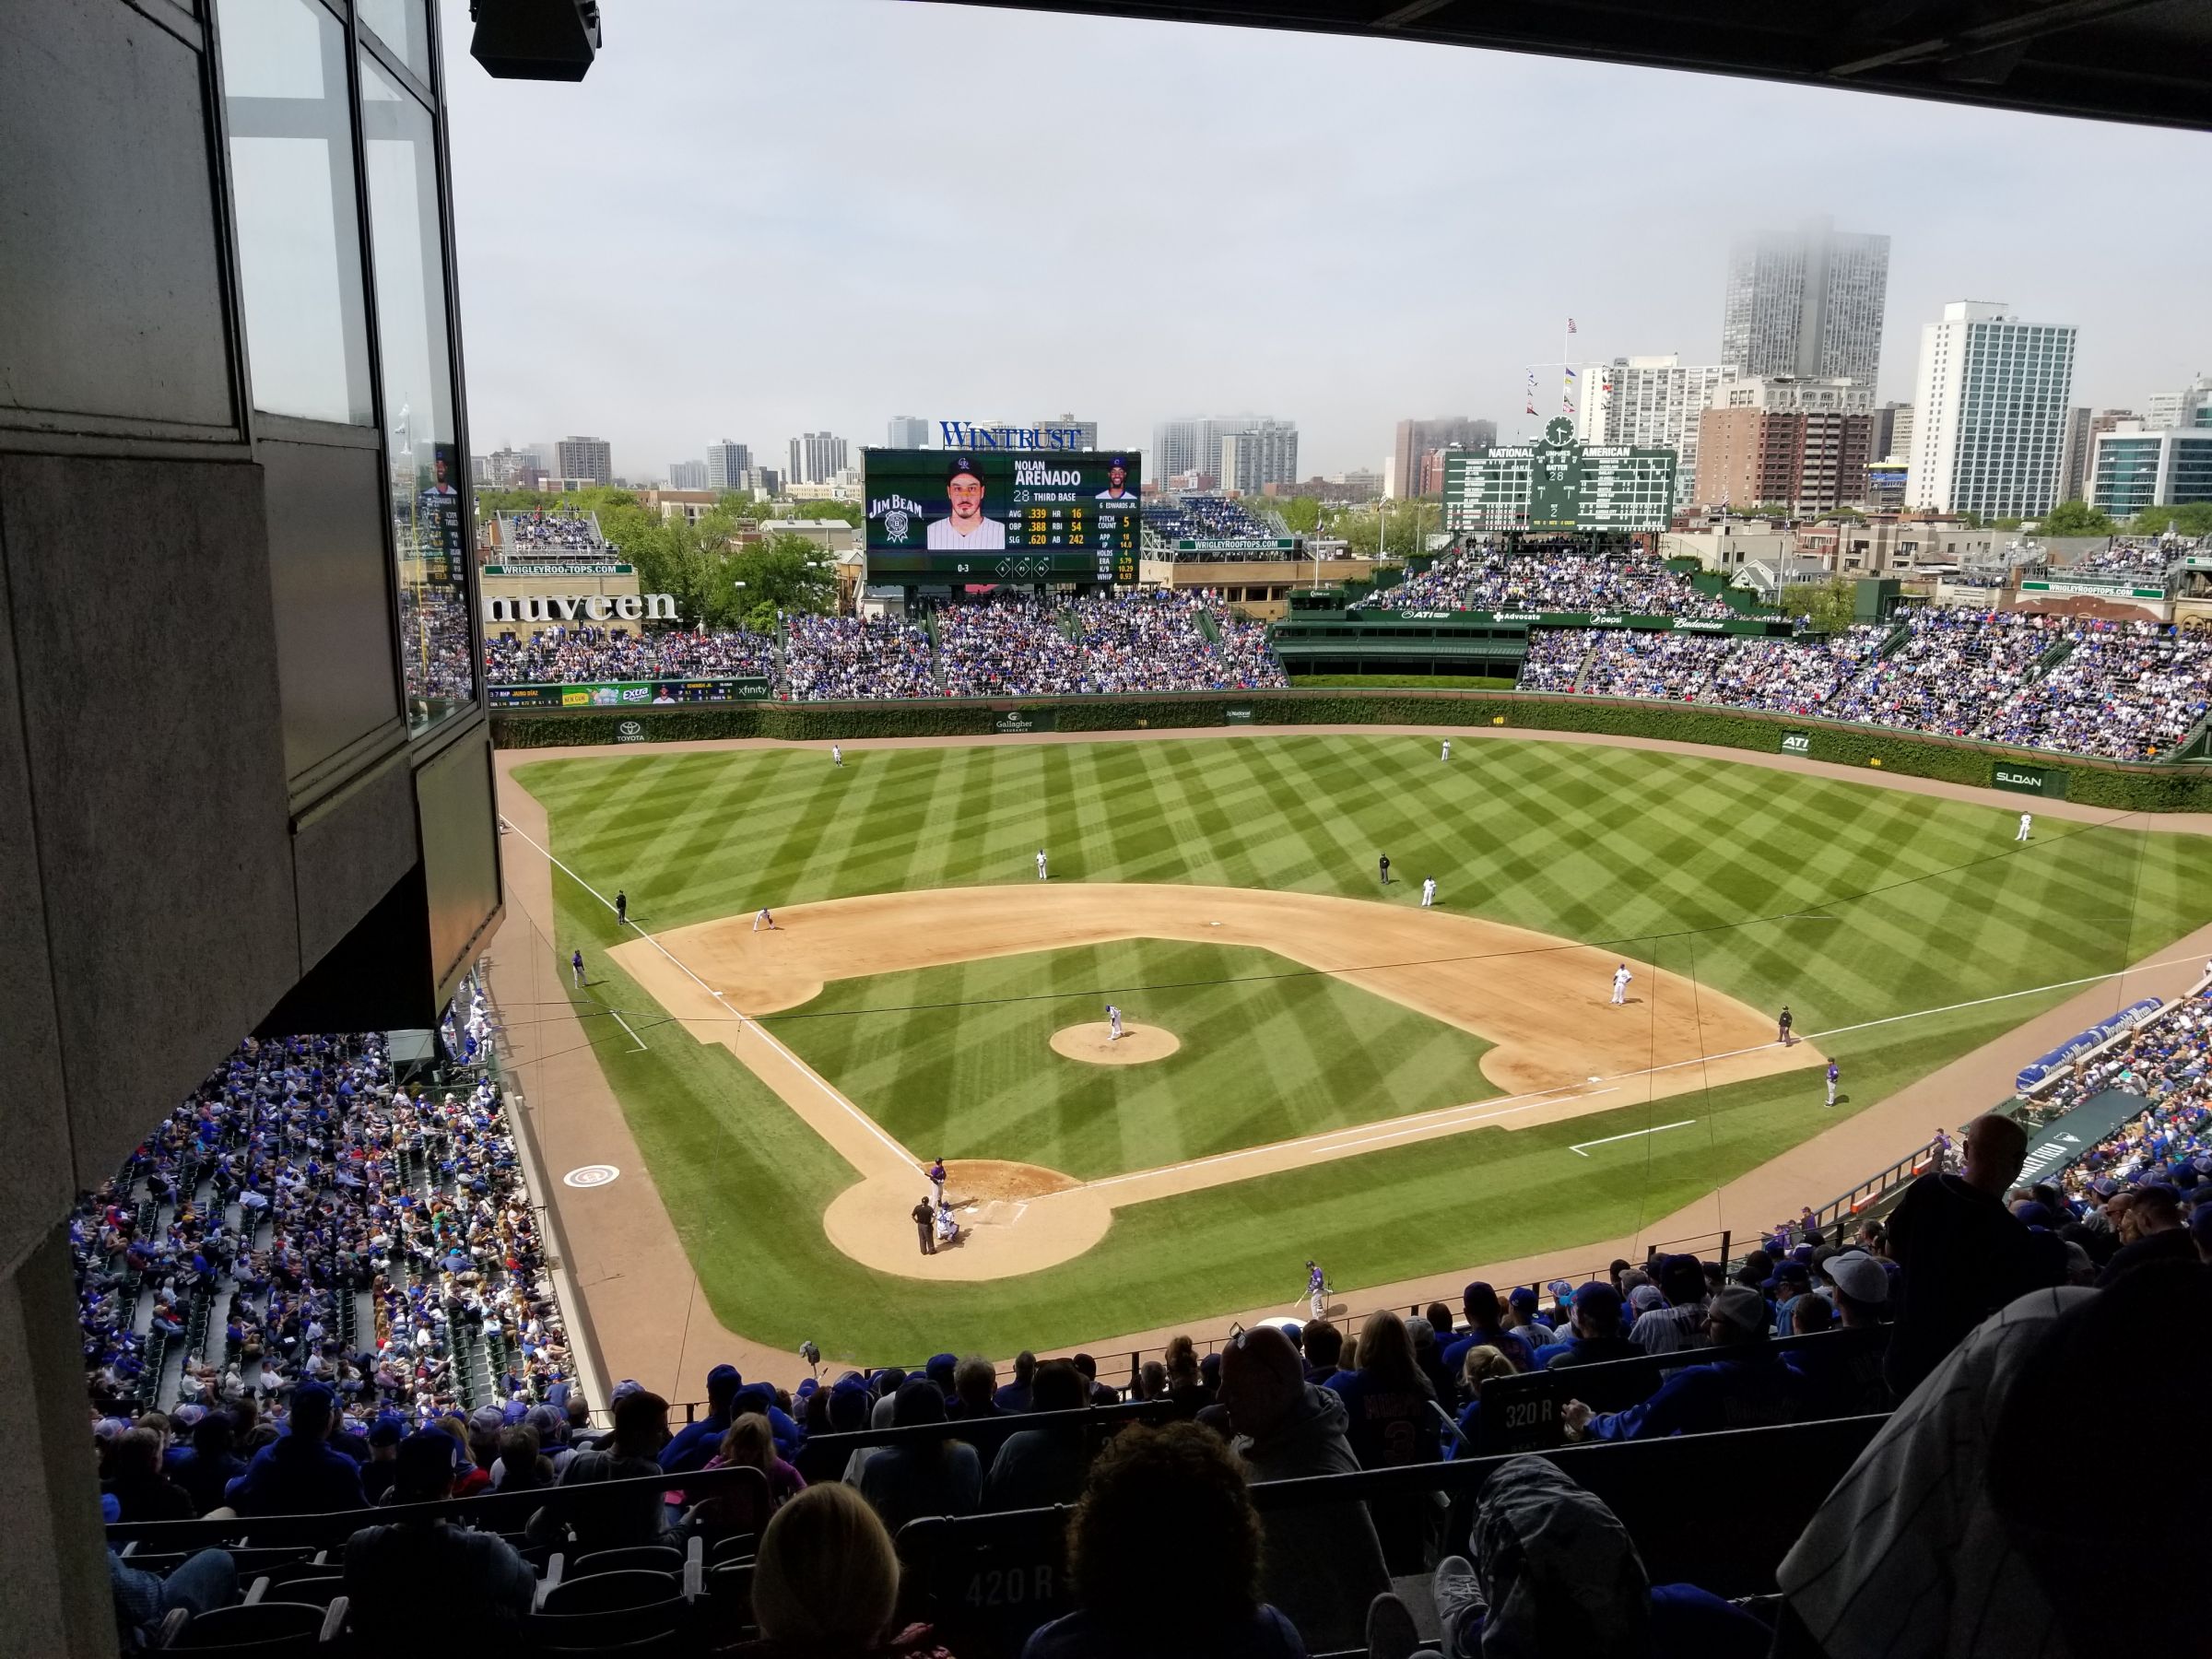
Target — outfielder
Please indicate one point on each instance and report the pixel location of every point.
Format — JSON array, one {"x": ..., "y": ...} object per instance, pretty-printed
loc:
[
  {"x": 837, "y": 754},
  {"x": 1447, "y": 754},
  {"x": 765, "y": 917},
  {"x": 1427, "y": 891},
  {"x": 1317, "y": 1290},
  {"x": 1114, "y": 1023},
  {"x": 1041, "y": 864},
  {"x": 1621, "y": 976},
  {"x": 2027, "y": 827}
]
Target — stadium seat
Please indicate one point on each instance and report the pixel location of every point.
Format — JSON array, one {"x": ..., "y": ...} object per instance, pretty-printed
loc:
[
  {"x": 643, "y": 1557},
  {"x": 262, "y": 1631},
  {"x": 606, "y": 1592},
  {"x": 313, "y": 1592}
]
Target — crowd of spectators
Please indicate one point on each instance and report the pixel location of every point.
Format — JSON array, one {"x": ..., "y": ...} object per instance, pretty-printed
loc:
[
  {"x": 1205, "y": 518},
  {"x": 1248, "y": 661},
  {"x": 568, "y": 655},
  {"x": 2145, "y": 559},
  {"x": 1148, "y": 641},
  {"x": 305, "y": 1219},
  {"x": 554, "y": 532},
  {"x": 1008, "y": 643},
  {"x": 2124, "y": 690},
  {"x": 433, "y": 643},
  {"x": 831, "y": 659},
  {"x": 1552, "y": 577}
]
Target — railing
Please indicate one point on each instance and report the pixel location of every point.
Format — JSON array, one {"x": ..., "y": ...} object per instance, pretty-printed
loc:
[{"x": 1876, "y": 1188}]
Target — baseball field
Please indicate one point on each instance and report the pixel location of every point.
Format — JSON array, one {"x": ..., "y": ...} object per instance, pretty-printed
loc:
[{"x": 1313, "y": 1064}]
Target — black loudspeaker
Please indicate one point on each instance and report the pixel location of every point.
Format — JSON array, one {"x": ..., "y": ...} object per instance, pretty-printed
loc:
[{"x": 535, "y": 39}]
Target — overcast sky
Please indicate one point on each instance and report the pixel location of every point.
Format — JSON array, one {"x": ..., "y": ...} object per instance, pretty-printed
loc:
[{"x": 762, "y": 217}]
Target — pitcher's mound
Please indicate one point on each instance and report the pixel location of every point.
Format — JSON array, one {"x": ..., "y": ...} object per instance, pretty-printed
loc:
[{"x": 1136, "y": 1044}]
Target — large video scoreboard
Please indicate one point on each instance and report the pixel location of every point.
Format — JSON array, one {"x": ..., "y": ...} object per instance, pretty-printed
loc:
[
  {"x": 1005, "y": 515},
  {"x": 1558, "y": 484}
]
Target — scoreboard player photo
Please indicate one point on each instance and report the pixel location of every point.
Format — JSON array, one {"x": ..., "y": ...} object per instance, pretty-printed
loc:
[{"x": 968, "y": 528}]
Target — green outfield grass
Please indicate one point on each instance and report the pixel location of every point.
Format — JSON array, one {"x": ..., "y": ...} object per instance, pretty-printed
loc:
[
  {"x": 958, "y": 1060},
  {"x": 1855, "y": 904}
]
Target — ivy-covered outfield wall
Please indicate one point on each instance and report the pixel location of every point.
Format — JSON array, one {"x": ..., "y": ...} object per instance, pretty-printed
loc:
[{"x": 2186, "y": 787}]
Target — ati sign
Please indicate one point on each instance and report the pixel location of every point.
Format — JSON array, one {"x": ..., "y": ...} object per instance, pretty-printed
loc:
[
  {"x": 2029, "y": 779},
  {"x": 582, "y": 608},
  {"x": 1797, "y": 743}
]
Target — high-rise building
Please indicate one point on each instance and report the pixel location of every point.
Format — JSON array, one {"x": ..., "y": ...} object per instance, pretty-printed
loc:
[
  {"x": 1803, "y": 444},
  {"x": 727, "y": 464},
  {"x": 2137, "y": 466},
  {"x": 816, "y": 458},
  {"x": 592, "y": 458},
  {"x": 909, "y": 432},
  {"x": 1651, "y": 403},
  {"x": 1086, "y": 432},
  {"x": 1174, "y": 448},
  {"x": 2190, "y": 407},
  {"x": 1416, "y": 439},
  {"x": 687, "y": 474},
  {"x": 2073, "y": 455},
  {"x": 1990, "y": 397},
  {"x": 1885, "y": 428},
  {"x": 1806, "y": 303},
  {"x": 1264, "y": 454}
]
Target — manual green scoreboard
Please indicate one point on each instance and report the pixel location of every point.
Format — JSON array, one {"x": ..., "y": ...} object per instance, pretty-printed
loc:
[
  {"x": 1002, "y": 515},
  {"x": 1558, "y": 484}
]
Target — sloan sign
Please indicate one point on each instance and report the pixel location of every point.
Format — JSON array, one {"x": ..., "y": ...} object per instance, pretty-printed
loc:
[{"x": 580, "y": 607}]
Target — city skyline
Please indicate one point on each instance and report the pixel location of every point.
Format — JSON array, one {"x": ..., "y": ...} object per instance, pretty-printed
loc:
[{"x": 1344, "y": 323}]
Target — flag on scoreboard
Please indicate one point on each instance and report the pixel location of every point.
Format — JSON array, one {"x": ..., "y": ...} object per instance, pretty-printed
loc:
[{"x": 1570, "y": 325}]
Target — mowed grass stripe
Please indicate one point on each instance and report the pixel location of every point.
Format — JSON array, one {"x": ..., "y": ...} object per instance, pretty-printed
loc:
[{"x": 1577, "y": 842}]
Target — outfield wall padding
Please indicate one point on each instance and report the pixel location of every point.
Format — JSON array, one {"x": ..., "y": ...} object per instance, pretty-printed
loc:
[{"x": 2172, "y": 787}]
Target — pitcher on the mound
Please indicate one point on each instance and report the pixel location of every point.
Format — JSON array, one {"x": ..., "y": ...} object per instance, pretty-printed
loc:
[
  {"x": 1317, "y": 1290},
  {"x": 1114, "y": 1023}
]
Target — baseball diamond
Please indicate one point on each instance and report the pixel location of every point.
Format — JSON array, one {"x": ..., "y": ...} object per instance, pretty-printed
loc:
[{"x": 1346, "y": 1056}]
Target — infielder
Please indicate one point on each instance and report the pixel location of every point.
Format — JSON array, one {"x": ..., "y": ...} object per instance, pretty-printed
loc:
[
  {"x": 1317, "y": 1290},
  {"x": 2027, "y": 827},
  {"x": 1834, "y": 1071},
  {"x": 1114, "y": 1023},
  {"x": 765, "y": 917},
  {"x": 1621, "y": 976},
  {"x": 1447, "y": 754},
  {"x": 1427, "y": 891},
  {"x": 836, "y": 755},
  {"x": 1041, "y": 864}
]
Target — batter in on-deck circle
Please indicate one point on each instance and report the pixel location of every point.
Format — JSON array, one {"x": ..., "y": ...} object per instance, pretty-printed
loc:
[
  {"x": 1317, "y": 1289},
  {"x": 967, "y": 530},
  {"x": 1621, "y": 976}
]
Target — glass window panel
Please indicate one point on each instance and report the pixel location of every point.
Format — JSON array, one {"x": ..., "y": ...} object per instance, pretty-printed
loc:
[
  {"x": 404, "y": 26},
  {"x": 429, "y": 534},
  {"x": 293, "y": 197}
]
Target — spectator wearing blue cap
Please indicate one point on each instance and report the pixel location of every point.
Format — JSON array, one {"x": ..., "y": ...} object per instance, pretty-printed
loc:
[
  {"x": 696, "y": 1442},
  {"x": 422, "y": 1575},
  {"x": 1486, "y": 1328},
  {"x": 1594, "y": 1333},
  {"x": 300, "y": 1474},
  {"x": 210, "y": 1462},
  {"x": 378, "y": 1473}
]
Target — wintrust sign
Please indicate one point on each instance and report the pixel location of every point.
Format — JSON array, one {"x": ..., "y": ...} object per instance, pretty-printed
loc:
[{"x": 582, "y": 608}]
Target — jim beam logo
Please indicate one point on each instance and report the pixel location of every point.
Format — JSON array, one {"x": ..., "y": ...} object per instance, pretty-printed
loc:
[{"x": 900, "y": 518}]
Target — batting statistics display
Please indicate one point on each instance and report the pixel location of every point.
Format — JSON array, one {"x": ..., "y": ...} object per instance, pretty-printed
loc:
[{"x": 1040, "y": 516}]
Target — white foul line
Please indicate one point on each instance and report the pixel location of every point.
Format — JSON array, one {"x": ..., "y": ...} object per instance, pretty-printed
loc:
[
  {"x": 633, "y": 1036},
  {"x": 798, "y": 1064},
  {"x": 1631, "y": 1135}
]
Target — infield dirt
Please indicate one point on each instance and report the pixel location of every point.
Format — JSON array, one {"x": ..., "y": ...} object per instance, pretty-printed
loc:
[{"x": 1561, "y": 1048}]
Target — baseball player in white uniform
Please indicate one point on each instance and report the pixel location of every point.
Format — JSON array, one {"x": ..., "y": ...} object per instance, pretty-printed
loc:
[
  {"x": 2027, "y": 827},
  {"x": 764, "y": 919},
  {"x": 1041, "y": 864},
  {"x": 1621, "y": 976},
  {"x": 1427, "y": 891},
  {"x": 967, "y": 530},
  {"x": 837, "y": 754},
  {"x": 1114, "y": 1023},
  {"x": 1447, "y": 754}
]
